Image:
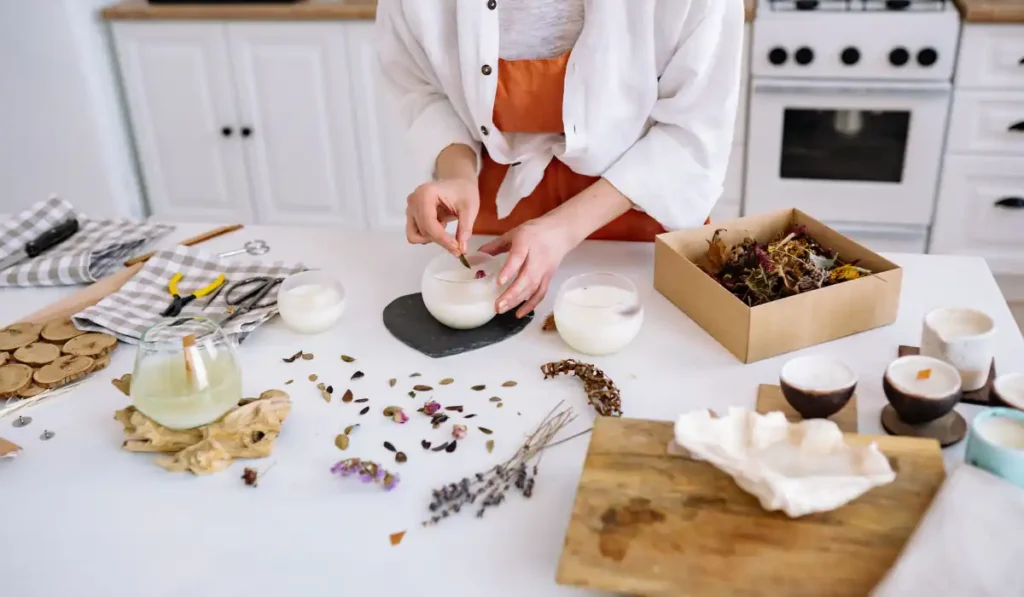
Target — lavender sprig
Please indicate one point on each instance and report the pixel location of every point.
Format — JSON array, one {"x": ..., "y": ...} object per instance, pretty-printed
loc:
[{"x": 367, "y": 472}]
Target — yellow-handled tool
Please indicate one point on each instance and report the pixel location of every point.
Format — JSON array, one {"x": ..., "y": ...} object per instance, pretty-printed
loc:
[{"x": 178, "y": 302}]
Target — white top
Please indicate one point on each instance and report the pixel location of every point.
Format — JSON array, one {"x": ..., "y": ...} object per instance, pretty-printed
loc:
[
  {"x": 532, "y": 29},
  {"x": 82, "y": 517},
  {"x": 650, "y": 97}
]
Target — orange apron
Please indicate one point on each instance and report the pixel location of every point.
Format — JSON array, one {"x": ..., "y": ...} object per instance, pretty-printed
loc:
[{"x": 529, "y": 100}]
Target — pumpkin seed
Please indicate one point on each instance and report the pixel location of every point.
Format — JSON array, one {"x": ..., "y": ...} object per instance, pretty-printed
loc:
[
  {"x": 365, "y": 410},
  {"x": 451, "y": 446},
  {"x": 439, "y": 448},
  {"x": 389, "y": 447},
  {"x": 478, "y": 388},
  {"x": 490, "y": 446},
  {"x": 425, "y": 444},
  {"x": 495, "y": 399},
  {"x": 446, "y": 381},
  {"x": 307, "y": 356},
  {"x": 509, "y": 384},
  {"x": 341, "y": 441},
  {"x": 457, "y": 408},
  {"x": 392, "y": 382},
  {"x": 357, "y": 374},
  {"x": 313, "y": 377},
  {"x": 289, "y": 382},
  {"x": 485, "y": 430},
  {"x": 361, "y": 400},
  {"x": 422, "y": 388},
  {"x": 348, "y": 396},
  {"x": 349, "y": 429},
  {"x": 401, "y": 457},
  {"x": 347, "y": 358}
]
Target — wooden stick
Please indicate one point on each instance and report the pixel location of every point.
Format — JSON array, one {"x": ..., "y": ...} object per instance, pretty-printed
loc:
[
  {"x": 195, "y": 240},
  {"x": 186, "y": 344}
]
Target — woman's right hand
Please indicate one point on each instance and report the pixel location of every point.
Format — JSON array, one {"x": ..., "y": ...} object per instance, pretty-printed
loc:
[{"x": 432, "y": 205}]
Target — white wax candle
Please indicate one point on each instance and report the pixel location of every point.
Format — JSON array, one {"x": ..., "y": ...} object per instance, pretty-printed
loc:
[
  {"x": 310, "y": 308},
  {"x": 598, "y": 320},
  {"x": 1002, "y": 431}
]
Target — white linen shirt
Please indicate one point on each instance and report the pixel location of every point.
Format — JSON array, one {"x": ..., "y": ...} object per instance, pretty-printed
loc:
[{"x": 650, "y": 98}]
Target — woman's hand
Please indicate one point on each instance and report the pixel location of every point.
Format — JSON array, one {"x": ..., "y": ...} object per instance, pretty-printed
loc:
[
  {"x": 432, "y": 205},
  {"x": 535, "y": 250}
]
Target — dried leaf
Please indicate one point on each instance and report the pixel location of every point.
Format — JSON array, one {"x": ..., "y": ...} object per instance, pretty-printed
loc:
[
  {"x": 422, "y": 388},
  {"x": 392, "y": 382},
  {"x": 289, "y": 382},
  {"x": 451, "y": 447},
  {"x": 307, "y": 356},
  {"x": 330, "y": 389},
  {"x": 347, "y": 358},
  {"x": 425, "y": 444},
  {"x": 464, "y": 261},
  {"x": 389, "y": 447},
  {"x": 401, "y": 457},
  {"x": 470, "y": 416},
  {"x": 292, "y": 358},
  {"x": 412, "y": 394},
  {"x": 361, "y": 400},
  {"x": 313, "y": 377},
  {"x": 718, "y": 252},
  {"x": 490, "y": 446},
  {"x": 324, "y": 393},
  {"x": 485, "y": 430},
  {"x": 349, "y": 429},
  {"x": 924, "y": 374},
  {"x": 365, "y": 410},
  {"x": 494, "y": 399},
  {"x": 396, "y": 538},
  {"x": 501, "y": 404},
  {"x": 415, "y": 375},
  {"x": 348, "y": 396},
  {"x": 446, "y": 381},
  {"x": 123, "y": 383},
  {"x": 443, "y": 446},
  {"x": 509, "y": 384},
  {"x": 478, "y": 388},
  {"x": 357, "y": 374},
  {"x": 549, "y": 324},
  {"x": 390, "y": 410},
  {"x": 456, "y": 408},
  {"x": 342, "y": 441}
]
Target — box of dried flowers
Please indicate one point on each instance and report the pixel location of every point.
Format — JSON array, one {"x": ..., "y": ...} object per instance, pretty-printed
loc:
[{"x": 768, "y": 284}]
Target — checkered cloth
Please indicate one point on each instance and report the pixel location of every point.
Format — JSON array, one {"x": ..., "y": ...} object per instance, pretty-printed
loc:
[
  {"x": 94, "y": 251},
  {"x": 138, "y": 304}
]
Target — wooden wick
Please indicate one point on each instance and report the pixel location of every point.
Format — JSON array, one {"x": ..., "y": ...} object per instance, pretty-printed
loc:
[
  {"x": 195, "y": 240},
  {"x": 186, "y": 344}
]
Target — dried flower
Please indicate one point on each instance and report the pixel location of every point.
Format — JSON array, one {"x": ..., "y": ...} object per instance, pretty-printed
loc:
[
  {"x": 431, "y": 407},
  {"x": 601, "y": 391},
  {"x": 250, "y": 476},
  {"x": 549, "y": 324},
  {"x": 480, "y": 275},
  {"x": 399, "y": 416},
  {"x": 396, "y": 538},
  {"x": 459, "y": 431},
  {"x": 366, "y": 471}
]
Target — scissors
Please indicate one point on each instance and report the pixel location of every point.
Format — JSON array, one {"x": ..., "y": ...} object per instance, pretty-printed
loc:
[
  {"x": 253, "y": 247},
  {"x": 179, "y": 302},
  {"x": 250, "y": 294}
]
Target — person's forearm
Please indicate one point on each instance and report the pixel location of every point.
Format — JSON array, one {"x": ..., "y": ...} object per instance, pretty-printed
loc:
[
  {"x": 591, "y": 209},
  {"x": 456, "y": 161}
]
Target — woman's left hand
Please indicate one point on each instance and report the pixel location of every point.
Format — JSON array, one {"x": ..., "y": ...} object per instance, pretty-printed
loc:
[{"x": 535, "y": 250}]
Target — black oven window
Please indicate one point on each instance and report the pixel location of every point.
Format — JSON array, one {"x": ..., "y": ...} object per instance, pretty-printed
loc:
[{"x": 852, "y": 145}]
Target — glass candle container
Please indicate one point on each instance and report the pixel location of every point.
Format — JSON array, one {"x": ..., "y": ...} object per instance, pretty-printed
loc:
[
  {"x": 458, "y": 297},
  {"x": 310, "y": 302},
  {"x": 186, "y": 373},
  {"x": 598, "y": 313}
]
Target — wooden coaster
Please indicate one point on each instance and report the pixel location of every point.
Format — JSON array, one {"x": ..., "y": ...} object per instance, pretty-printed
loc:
[
  {"x": 949, "y": 429},
  {"x": 982, "y": 396},
  {"x": 770, "y": 399}
]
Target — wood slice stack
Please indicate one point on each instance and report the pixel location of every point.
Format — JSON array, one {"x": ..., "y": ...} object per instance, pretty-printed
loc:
[{"x": 34, "y": 357}]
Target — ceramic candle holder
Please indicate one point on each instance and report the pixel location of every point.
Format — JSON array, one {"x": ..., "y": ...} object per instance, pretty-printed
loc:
[
  {"x": 598, "y": 313},
  {"x": 964, "y": 338},
  {"x": 921, "y": 389},
  {"x": 996, "y": 443},
  {"x": 1008, "y": 390},
  {"x": 458, "y": 297},
  {"x": 817, "y": 387}
]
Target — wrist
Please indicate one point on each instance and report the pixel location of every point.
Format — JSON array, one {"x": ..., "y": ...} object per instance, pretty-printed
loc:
[{"x": 456, "y": 162}]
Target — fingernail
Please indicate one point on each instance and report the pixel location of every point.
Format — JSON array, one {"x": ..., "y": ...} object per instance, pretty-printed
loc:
[
  {"x": 502, "y": 307},
  {"x": 501, "y": 280}
]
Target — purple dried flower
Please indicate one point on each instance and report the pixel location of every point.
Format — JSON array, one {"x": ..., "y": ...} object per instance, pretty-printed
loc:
[
  {"x": 391, "y": 481},
  {"x": 459, "y": 431}
]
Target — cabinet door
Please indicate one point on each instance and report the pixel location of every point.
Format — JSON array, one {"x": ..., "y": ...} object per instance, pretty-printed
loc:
[
  {"x": 386, "y": 181},
  {"x": 295, "y": 107},
  {"x": 177, "y": 79}
]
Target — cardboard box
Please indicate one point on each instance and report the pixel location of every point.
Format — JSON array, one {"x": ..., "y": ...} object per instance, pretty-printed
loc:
[{"x": 806, "y": 319}]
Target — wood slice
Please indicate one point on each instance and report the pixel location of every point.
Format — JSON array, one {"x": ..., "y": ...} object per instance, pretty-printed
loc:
[
  {"x": 100, "y": 363},
  {"x": 64, "y": 370},
  {"x": 37, "y": 353},
  {"x": 18, "y": 335},
  {"x": 60, "y": 330},
  {"x": 31, "y": 390},
  {"x": 4, "y": 356},
  {"x": 13, "y": 378},
  {"x": 92, "y": 344}
]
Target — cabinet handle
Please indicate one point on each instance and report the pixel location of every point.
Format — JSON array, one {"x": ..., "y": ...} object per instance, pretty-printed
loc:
[
  {"x": 1011, "y": 202},
  {"x": 246, "y": 131},
  {"x": 226, "y": 131},
  {"x": 1017, "y": 127}
]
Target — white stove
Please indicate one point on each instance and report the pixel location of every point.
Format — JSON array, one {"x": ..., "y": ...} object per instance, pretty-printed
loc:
[{"x": 848, "y": 110}]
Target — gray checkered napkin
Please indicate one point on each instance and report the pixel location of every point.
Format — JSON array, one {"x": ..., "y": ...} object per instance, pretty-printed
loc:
[
  {"x": 94, "y": 251},
  {"x": 138, "y": 304}
]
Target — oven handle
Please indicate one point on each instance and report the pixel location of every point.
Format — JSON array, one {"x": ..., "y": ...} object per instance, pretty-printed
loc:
[{"x": 832, "y": 89}]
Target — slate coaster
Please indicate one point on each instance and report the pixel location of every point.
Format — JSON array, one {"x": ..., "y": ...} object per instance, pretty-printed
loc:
[
  {"x": 982, "y": 396},
  {"x": 770, "y": 398},
  {"x": 409, "y": 321}
]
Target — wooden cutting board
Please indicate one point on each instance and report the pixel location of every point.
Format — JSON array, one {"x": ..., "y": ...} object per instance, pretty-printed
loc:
[{"x": 647, "y": 523}]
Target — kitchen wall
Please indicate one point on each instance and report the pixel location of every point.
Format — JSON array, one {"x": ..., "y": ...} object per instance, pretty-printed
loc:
[{"x": 62, "y": 128}]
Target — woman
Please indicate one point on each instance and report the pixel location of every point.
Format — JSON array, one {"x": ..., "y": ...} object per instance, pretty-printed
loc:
[{"x": 547, "y": 122}]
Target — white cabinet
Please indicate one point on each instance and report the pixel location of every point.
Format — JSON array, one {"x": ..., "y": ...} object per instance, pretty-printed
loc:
[
  {"x": 244, "y": 121},
  {"x": 991, "y": 56},
  {"x": 178, "y": 83}
]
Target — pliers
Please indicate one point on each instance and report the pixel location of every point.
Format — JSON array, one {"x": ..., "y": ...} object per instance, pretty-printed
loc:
[{"x": 178, "y": 302}]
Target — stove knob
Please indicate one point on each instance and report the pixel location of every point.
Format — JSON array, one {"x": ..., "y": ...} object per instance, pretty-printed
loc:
[
  {"x": 778, "y": 56},
  {"x": 927, "y": 57},
  {"x": 850, "y": 56},
  {"x": 804, "y": 56},
  {"x": 899, "y": 57}
]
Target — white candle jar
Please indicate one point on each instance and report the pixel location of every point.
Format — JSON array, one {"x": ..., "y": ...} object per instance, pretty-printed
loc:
[
  {"x": 458, "y": 297},
  {"x": 598, "y": 313},
  {"x": 310, "y": 302}
]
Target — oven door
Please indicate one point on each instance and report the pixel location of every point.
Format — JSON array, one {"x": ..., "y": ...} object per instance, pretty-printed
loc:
[{"x": 848, "y": 152}]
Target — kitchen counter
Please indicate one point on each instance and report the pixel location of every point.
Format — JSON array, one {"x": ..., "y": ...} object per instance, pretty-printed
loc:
[
  {"x": 305, "y": 10},
  {"x": 82, "y": 517},
  {"x": 991, "y": 11}
]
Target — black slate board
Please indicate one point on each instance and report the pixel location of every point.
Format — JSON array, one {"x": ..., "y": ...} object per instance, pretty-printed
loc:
[{"x": 408, "y": 320}]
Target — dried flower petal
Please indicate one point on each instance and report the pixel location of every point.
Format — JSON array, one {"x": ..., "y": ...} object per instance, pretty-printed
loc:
[
  {"x": 313, "y": 377},
  {"x": 425, "y": 444},
  {"x": 307, "y": 356},
  {"x": 509, "y": 384},
  {"x": 289, "y": 382},
  {"x": 480, "y": 274},
  {"x": 396, "y": 538},
  {"x": 349, "y": 429},
  {"x": 485, "y": 430},
  {"x": 446, "y": 381},
  {"x": 478, "y": 388},
  {"x": 422, "y": 388},
  {"x": 342, "y": 441},
  {"x": 494, "y": 399},
  {"x": 459, "y": 431},
  {"x": 357, "y": 374},
  {"x": 389, "y": 447},
  {"x": 347, "y": 396},
  {"x": 392, "y": 382},
  {"x": 400, "y": 417},
  {"x": 924, "y": 374},
  {"x": 324, "y": 393},
  {"x": 347, "y": 358},
  {"x": 365, "y": 410},
  {"x": 401, "y": 457},
  {"x": 431, "y": 407},
  {"x": 490, "y": 446}
]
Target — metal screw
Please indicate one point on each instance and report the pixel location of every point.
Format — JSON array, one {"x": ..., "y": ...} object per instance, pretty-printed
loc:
[
  {"x": 21, "y": 421},
  {"x": 46, "y": 435}
]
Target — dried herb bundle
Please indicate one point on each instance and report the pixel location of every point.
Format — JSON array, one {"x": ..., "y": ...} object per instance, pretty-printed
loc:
[
  {"x": 792, "y": 263},
  {"x": 488, "y": 489},
  {"x": 367, "y": 471},
  {"x": 601, "y": 391}
]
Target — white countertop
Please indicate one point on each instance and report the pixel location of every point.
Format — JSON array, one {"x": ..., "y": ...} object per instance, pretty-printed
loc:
[{"x": 79, "y": 516}]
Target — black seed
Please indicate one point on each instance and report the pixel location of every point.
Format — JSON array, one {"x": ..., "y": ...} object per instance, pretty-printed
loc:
[
  {"x": 357, "y": 374},
  {"x": 365, "y": 410},
  {"x": 362, "y": 400},
  {"x": 451, "y": 447},
  {"x": 425, "y": 444},
  {"x": 485, "y": 430},
  {"x": 439, "y": 448},
  {"x": 388, "y": 446}
]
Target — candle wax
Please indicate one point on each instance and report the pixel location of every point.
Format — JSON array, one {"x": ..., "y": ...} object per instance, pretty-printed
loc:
[{"x": 596, "y": 320}]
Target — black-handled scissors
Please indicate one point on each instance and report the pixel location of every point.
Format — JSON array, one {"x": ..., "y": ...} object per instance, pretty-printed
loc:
[{"x": 249, "y": 294}]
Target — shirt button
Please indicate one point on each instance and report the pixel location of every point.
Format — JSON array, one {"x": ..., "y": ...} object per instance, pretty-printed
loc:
[
  {"x": 486, "y": 69},
  {"x": 484, "y": 131},
  {"x": 492, "y": 4}
]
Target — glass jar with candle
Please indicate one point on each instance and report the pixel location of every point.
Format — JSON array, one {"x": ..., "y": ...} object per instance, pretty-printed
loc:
[
  {"x": 598, "y": 313},
  {"x": 459, "y": 297},
  {"x": 310, "y": 302},
  {"x": 186, "y": 373}
]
